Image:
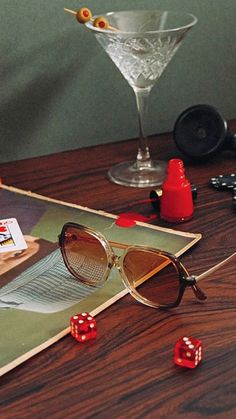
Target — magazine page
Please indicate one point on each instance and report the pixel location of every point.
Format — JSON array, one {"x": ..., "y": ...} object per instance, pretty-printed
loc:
[{"x": 38, "y": 295}]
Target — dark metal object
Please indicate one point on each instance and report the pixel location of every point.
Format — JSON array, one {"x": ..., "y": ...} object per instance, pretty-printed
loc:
[
  {"x": 200, "y": 131},
  {"x": 225, "y": 182}
]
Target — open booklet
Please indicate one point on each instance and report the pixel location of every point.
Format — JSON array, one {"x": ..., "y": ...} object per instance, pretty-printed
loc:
[{"x": 37, "y": 293}]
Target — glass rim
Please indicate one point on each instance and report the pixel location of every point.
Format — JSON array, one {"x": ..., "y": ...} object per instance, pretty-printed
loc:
[
  {"x": 180, "y": 271},
  {"x": 193, "y": 21},
  {"x": 100, "y": 239}
]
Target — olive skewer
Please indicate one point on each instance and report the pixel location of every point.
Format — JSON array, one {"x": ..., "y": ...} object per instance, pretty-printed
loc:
[{"x": 84, "y": 15}]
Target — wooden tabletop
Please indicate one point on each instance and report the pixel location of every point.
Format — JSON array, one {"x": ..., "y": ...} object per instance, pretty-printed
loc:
[{"x": 129, "y": 372}]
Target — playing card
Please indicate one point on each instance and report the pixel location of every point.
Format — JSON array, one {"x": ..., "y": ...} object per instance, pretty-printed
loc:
[{"x": 11, "y": 237}]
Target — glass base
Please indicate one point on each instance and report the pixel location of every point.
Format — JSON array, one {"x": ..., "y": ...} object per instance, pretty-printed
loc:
[{"x": 128, "y": 174}]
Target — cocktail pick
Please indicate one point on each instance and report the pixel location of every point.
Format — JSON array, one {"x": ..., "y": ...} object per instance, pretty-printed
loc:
[{"x": 84, "y": 15}]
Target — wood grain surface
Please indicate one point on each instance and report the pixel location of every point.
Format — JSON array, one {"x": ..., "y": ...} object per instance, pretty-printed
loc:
[{"x": 128, "y": 371}]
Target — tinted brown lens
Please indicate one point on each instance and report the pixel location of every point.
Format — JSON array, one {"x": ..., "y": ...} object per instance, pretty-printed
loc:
[
  {"x": 153, "y": 275},
  {"x": 84, "y": 255}
]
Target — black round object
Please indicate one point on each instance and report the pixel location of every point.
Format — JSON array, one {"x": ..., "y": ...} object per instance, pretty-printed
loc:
[{"x": 200, "y": 131}]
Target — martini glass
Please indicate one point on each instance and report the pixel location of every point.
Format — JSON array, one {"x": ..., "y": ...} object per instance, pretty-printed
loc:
[{"x": 141, "y": 44}]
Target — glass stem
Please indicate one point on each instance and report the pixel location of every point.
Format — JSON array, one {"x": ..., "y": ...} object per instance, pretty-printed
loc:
[{"x": 143, "y": 156}]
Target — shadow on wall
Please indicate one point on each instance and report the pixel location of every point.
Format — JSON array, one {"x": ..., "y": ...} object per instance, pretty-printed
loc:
[{"x": 33, "y": 83}]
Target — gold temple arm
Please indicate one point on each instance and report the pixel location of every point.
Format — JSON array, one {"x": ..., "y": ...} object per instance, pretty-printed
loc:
[{"x": 214, "y": 268}]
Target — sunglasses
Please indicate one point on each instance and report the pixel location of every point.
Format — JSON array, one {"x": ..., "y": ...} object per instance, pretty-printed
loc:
[{"x": 153, "y": 277}]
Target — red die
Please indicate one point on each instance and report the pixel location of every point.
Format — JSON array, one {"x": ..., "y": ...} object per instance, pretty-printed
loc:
[
  {"x": 188, "y": 352},
  {"x": 83, "y": 327}
]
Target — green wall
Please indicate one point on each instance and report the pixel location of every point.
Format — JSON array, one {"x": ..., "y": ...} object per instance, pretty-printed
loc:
[{"x": 59, "y": 90}]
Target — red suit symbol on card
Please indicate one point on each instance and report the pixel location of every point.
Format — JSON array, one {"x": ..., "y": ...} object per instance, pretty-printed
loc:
[{"x": 3, "y": 229}]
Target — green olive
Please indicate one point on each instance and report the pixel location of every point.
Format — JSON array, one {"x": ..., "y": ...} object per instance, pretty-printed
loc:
[
  {"x": 83, "y": 15},
  {"x": 101, "y": 22}
]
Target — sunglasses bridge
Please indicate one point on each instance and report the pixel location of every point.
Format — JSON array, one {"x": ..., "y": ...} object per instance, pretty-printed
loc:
[{"x": 115, "y": 262}]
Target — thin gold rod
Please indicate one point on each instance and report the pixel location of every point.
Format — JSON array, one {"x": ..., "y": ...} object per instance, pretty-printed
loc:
[
  {"x": 119, "y": 245},
  {"x": 214, "y": 268}
]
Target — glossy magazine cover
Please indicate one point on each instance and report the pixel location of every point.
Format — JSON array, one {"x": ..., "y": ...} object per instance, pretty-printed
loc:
[{"x": 37, "y": 293}]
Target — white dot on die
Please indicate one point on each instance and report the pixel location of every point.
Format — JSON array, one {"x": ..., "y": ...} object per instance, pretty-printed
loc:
[
  {"x": 185, "y": 339},
  {"x": 75, "y": 317},
  {"x": 80, "y": 321},
  {"x": 89, "y": 318},
  {"x": 91, "y": 325},
  {"x": 83, "y": 337},
  {"x": 84, "y": 314},
  {"x": 191, "y": 346},
  {"x": 188, "y": 354}
]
